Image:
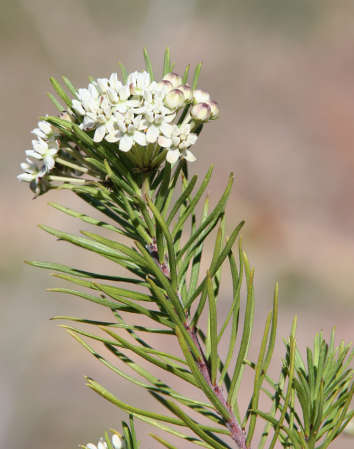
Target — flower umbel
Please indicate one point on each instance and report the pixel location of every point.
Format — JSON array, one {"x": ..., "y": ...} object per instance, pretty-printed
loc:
[
  {"x": 136, "y": 119},
  {"x": 142, "y": 112}
]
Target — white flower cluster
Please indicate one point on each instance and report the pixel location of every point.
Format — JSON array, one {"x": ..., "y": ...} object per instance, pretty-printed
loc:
[
  {"x": 40, "y": 160},
  {"x": 117, "y": 443},
  {"x": 141, "y": 112},
  {"x": 162, "y": 118}
]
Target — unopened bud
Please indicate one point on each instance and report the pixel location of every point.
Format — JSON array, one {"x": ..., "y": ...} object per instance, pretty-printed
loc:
[
  {"x": 117, "y": 442},
  {"x": 201, "y": 112},
  {"x": 174, "y": 99},
  {"x": 64, "y": 115},
  {"x": 173, "y": 78},
  {"x": 200, "y": 96},
  {"x": 166, "y": 85},
  {"x": 215, "y": 111},
  {"x": 187, "y": 92}
]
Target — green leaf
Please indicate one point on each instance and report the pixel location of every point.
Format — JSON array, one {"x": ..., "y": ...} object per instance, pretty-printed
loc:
[
  {"x": 81, "y": 273},
  {"x": 83, "y": 243},
  {"x": 56, "y": 102},
  {"x": 189, "y": 210},
  {"x": 87, "y": 219},
  {"x": 258, "y": 379},
  {"x": 196, "y": 427},
  {"x": 198, "y": 252},
  {"x": 215, "y": 265},
  {"x": 148, "y": 64},
  {"x": 164, "y": 187},
  {"x": 70, "y": 86},
  {"x": 182, "y": 198},
  {"x": 165, "y": 283},
  {"x": 159, "y": 386},
  {"x": 172, "y": 431},
  {"x": 273, "y": 331},
  {"x": 59, "y": 90},
  {"x": 198, "y": 235},
  {"x": 214, "y": 359},
  {"x": 170, "y": 367},
  {"x": 196, "y": 76},
  {"x": 162, "y": 441},
  {"x": 246, "y": 334},
  {"x": 166, "y": 62},
  {"x": 235, "y": 311},
  {"x": 124, "y": 72},
  {"x": 170, "y": 247},
  {"x": 292, "y": 347},
  {"x": 96, "y": 299},
  {"x": 95, "y": 386},
  {"x": 152, "y": 314},
  {"x": 185, "y": 75},
  {"x": 200, "y": 380},
  {"x": 117, "y": 325}
]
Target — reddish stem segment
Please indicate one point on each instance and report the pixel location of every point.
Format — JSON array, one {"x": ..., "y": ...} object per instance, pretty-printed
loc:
[{"x": 237, "y": 434}]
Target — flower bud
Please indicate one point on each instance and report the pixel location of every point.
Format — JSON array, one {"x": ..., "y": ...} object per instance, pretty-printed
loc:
[
  {"x": 200, "y": 96},
  {"x": 166, "y": 85},
  {"x": 201, "y": 112},
  {"x": 174, "y": 99},
  {"x": 215, "y": 111},
  {"x": 187, "y": 92},
  {"x": 173, "y": 78},
  {"x": 117, "y": 442},
  {"x": 64, "y": 115}
]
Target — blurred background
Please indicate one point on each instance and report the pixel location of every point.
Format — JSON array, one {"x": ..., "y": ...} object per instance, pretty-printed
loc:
[{"x": 283, "y": 74}]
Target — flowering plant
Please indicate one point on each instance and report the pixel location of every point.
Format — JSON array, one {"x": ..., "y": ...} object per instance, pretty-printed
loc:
[{"x": 123, "y": 146}]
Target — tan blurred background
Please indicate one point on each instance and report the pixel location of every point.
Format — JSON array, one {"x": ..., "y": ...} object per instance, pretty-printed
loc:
[{"x": 283, "y": 73}]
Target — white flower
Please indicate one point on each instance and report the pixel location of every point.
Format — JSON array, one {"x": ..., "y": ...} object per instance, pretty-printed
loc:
[
  {"x": 128, "y": 129},
  {"x": 44, "y": 130},
  {"x": 117, "y": 443},
  {"x": 44, "y": 151},
  {"x": 178, "y": 140},
  {"x": 155, "y": 112},
  {"x": 102, "y": 444},
  {"x": 138, "y": 82},
  {"x": 35, "y": 175},
  {"x": 33, "y": 171},
  {"x": 91, "y": 446}
]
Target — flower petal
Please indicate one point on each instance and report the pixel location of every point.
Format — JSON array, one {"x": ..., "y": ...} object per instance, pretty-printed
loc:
[
  {"x": 140, "y": 138},
  {"x": 112, "y": 137},
  {"x": 152, "y": 134},
  {"x": 164, "y": 142},
  {"x": 125, "y": 143},
  {"x": 189, "y": 156},
  {"x": 99, "y": 133},
  {"x": 77, "y": 106},
  {"x": 32, "y": 153},
  {"x": 172, "y": 156},
  {"x": 26, "y": 177},
  {"x": 166, "y": 129}
]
